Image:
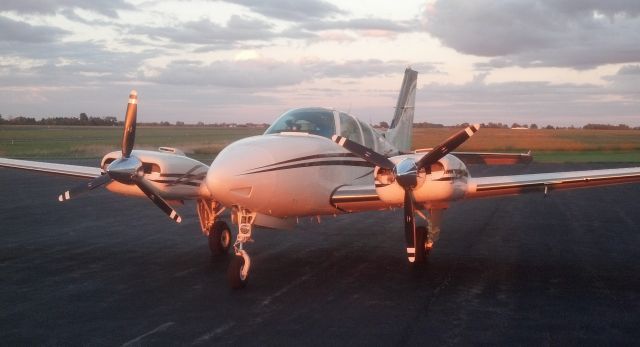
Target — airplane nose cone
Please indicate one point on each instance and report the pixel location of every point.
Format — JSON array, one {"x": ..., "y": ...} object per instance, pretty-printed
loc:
[{"x": 237, "y": 176}]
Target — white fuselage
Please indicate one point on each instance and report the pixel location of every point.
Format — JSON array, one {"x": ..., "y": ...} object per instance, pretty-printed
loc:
[{"x": 284, "y": 175}]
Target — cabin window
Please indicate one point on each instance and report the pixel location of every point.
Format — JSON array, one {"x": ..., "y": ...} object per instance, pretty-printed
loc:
[
  {"x": 349, "y": 128},
  {"x": 368, "y": 135},
  {"x": 316, "y": 121}
]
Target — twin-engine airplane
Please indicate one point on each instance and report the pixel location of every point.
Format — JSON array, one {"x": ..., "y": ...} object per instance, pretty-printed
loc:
[{"x": 312, "y": 162}]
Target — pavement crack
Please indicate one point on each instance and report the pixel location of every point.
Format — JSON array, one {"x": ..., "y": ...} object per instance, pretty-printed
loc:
[{"x": 137, "y": 340}]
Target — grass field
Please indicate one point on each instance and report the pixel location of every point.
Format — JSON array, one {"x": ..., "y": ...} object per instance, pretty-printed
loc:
[{"x": 205, "y": 143}]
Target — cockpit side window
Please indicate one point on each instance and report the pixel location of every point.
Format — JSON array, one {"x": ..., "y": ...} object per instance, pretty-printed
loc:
[
  {"x": 368, "y": 135},
  {"x": 316, "y": 121},
  {"x": 349, "y": 128}
]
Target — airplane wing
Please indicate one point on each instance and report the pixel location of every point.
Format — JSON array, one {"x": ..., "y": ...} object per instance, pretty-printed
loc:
[
  {"x": 357, "y": 198},
  {"x": 545, "y": 182},
  {"x": 51, "y": 168},
  {"x": 364, "y": 197},
  {"x": 494, "y": 158},
  {"x": 489, "y": 158}
]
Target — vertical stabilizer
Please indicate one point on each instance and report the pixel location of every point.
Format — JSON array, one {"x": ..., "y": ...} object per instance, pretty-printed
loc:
[{"x": 400, "y": 130}]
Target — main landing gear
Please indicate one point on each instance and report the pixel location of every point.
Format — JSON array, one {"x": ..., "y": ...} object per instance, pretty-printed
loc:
[
  {"x": 420, "y": 239},
  {"x": 215, "y": 229}
]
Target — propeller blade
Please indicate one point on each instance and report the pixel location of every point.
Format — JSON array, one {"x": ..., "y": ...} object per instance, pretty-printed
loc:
[
  {"x": 447, "y": 146},
  {"x": 150, "y": 191},
  {"x": 84, "y": 187},
  {"x": 363, "y": 152},
  {"x": 409, "y": 225},
  {"x": 129, "y": 136}
]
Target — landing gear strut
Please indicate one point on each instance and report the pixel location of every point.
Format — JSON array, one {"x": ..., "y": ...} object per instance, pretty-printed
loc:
[
  {"x": 215, "y": 229},
  {"x": 238, "y": 271},
  {"x": 434, "y": 220},
  {"x": 420, "y": 239}
]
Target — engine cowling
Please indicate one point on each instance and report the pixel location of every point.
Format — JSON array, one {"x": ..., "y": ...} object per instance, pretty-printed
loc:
[
  {"x": 173, "y": 174},
  {"x": 445, "y": 181}
]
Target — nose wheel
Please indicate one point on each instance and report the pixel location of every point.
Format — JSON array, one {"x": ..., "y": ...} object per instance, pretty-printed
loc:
[{"x": 238, "y": 270}]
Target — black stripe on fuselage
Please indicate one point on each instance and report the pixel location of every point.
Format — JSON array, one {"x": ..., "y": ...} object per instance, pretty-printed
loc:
[
  {"x": 356, "y": 163},
  {"x": 315, "y": 156},
  {"x": 202, "y": 175},
  {"x": 173, "y": 182}
]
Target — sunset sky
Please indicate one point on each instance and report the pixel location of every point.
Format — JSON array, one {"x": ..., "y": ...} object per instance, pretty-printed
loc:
[{"x": 560, "y": 62}]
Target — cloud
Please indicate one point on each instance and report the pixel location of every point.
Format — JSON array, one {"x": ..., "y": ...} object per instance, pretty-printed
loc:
[
  {"x": 235, "y": 74},
  {"x": 291, "y": 10},
  {"x": 263, "y": 73},
  {"x": 313, "y": 19},
  {"x": 538, "y": 102},
  {"x": 238, "y": 29},
  {"x": 629, "y": 70},
  {"x": 105, "y": 7},
  {"x": 15, "y": 31},
  {"x": 566, "y": 33},
  {"x": 363, "y": 68},
  {"x": 627, "y": 83},
  {"x": 364, "y": 24},
  {"x": 339, "y": 30}
]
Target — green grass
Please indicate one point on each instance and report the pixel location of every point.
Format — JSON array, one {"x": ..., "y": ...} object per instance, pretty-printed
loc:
[
  {"x": 205, "y": 143},
  {"x": 93, "y": 142}
]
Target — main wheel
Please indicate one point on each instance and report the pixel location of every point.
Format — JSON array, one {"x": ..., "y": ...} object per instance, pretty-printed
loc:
[
  {"x": 421, "y": 252},
  {"x": 235, "y": 274},
  {"x": 219, "y": 238}
]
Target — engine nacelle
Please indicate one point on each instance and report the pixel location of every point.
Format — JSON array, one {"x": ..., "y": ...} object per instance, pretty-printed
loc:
[
  {"x": 445, "y": 181},
  {"x": 173, "y": 174}
]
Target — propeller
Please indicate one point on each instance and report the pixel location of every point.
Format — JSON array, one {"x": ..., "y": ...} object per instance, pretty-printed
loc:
[
  {"x": 128, "y": 168},
  {"x": 84, "y": 187},
  {"x": 406, "y": 171}
]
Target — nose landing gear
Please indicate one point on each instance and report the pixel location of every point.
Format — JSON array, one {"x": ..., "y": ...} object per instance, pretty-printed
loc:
[{"x": 238, "y": 271}]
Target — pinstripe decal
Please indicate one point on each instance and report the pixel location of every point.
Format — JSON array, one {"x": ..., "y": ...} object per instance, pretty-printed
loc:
[
  {"x": 356, "y": 163},
  {"x": 315, "y": 156}
]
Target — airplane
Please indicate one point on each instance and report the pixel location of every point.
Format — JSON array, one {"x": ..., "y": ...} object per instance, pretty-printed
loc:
[{"x": 313, "y": 162}]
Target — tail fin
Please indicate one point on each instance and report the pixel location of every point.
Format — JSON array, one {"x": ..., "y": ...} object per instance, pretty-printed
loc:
[{"x": 400, "y": 131}]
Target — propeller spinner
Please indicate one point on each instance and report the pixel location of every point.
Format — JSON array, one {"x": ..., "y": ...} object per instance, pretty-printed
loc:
[{"x": 127, "y": 169}]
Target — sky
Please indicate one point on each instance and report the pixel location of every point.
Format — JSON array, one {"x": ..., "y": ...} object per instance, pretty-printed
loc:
[{"x": 559, "y": 62}]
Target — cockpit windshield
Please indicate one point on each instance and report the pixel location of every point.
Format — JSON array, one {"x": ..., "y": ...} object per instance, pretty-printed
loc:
[{"x": 316, "y": 121}]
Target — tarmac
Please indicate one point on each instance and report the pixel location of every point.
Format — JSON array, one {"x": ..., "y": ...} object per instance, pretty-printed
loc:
[{"x": 107, "y": 270}]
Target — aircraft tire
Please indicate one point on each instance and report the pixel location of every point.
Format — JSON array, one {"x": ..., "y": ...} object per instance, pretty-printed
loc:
[
  {"x": 421, "y": 252},
  {"x": 219, "y": 238},
  {"x": 234, "y": 273}
]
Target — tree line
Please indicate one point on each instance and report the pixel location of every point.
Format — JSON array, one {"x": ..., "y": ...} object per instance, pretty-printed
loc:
[
  {"x": 491, "y": 125},
  {"x": 84, "y": 119}
]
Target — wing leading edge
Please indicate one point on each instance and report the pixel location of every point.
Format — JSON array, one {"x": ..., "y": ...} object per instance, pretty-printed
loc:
[
  {"x": 51, "y": 168},
  {"x": 545, "y": 182},
  {"x": 363, "y": 198}
]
